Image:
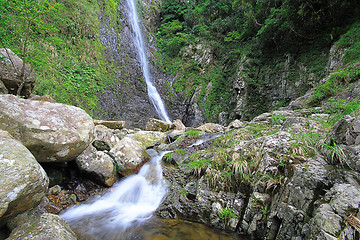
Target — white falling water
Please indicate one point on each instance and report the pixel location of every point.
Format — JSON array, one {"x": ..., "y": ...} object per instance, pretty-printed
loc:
[
  {"x": 141, "y": 50},
  {"x": 130, "y": 202}
]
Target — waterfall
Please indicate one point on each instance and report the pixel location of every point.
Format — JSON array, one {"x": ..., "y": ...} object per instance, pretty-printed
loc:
[
  {"x": 129, "y": 202},
  {"x": 141, "y": 51}
]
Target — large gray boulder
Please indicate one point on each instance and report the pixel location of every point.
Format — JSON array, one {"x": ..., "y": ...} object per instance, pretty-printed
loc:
[
  {"x": 10, "y": 73},
  {"x": 23, "y": 181},
  {"x": 53, "y": 132},
  {"x": 97, "y": 165},
  {"x": 47, "y": 226},
  {"x": 150, "y": 138},
  {"x": 105, "y": 139},
  {"x": 157, "y": 125},
  {"x": 129, "y": 155}
]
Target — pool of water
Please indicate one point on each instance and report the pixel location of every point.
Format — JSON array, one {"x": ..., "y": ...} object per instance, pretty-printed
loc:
[{"x": 161, "y": 229}]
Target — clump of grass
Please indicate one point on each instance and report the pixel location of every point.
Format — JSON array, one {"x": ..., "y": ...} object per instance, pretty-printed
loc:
[
  {"x": 226, "y": 214},
  {"x": 168, "y": 158},
  {"x": 277, "y": 119},
  {"x": 335, "y": 154},
  {"x": 192, "y": 134},
  {"x": 180, "y": 151}
]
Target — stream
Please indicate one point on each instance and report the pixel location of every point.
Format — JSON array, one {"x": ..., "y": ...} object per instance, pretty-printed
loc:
[{"x": 125, "y": 212}]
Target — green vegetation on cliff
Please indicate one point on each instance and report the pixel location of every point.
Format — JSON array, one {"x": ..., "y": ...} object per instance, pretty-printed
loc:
[
  {"x": 218, "y": 41},
  {"x": 60, "y": 39}
]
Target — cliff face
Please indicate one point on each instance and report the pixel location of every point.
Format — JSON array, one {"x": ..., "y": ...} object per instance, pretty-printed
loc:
[{"x": 127, "y": 99}]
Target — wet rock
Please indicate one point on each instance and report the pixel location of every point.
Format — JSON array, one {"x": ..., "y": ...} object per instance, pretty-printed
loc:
[
  {"x": 211, "y": 128},
  {"x": 105, "y": 139},
  {"x": 110, "y": 124},
  {"x": 97, "y": 165},
  {"x": 149, "y": 138},
  {"x": 53, "y": 132},
  {"x": 23, "y": 181},
  {"x": 129, "y": 155},
  {"x": 47, "y": 226},
  {"x": 10, "y": 74},
  {"x": 157, "y": 125},
  {"x": 179, "y": 125}
]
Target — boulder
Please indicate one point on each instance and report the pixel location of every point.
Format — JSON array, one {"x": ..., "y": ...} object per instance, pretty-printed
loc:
[
  {"x": 23, "y": 181},
  {"x": 53, "y": 132},
  {"x": 129, "y": 156},
  {"x": 235, "y": 124},
  {"x": 10, "y": 71},
  {"x": 150, "y": 138},
  {"x": 105, "y": 139},
  {"x": 211, "y": 128},
  {"x": 98, "y": 165},
  {"x": 3, "y": 89},
  {"x": 157, "y": 125},
  {"x": 47, "y": 226},
  {"x": 345, "y": 131},
  {"x": 179, "y": 125},
  {"x": 111, "y": 124}
]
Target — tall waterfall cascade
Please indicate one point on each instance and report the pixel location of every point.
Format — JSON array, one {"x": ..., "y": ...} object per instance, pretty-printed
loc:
[{"x": 141, "y": 51}]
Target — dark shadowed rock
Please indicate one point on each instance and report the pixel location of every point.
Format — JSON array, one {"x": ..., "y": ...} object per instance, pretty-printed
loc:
[{"x": 10, "y": 73}]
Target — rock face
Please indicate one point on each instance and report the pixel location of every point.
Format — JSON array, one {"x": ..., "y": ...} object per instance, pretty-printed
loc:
[
  {"x": 22, "y": 179},
  {"x": 129, "y": 155},
  {"x": 10, "y": 74},
  {"x": 97, "y": 165},
  {"x": 53, "y": 132},
  {"x": 47, "y": 226}
]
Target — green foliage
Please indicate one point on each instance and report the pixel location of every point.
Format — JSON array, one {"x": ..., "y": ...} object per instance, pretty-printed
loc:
[
  {"x": 277, "y": 119},
  {"x": 168, "y": 158},
  {"x": 63, "y": 46},
  {"x": 335, "y": 154},
  {"x": 180, "y": 151},
  {"x": 226, "y": 214},
  {"x": 192, "y": 134}
]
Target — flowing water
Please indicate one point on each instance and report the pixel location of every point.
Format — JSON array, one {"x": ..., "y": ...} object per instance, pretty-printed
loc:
[
  {"x": 125, "y": 212},
  {"x": 141, "y": 51},
  {"x": 128, "y": 203}
]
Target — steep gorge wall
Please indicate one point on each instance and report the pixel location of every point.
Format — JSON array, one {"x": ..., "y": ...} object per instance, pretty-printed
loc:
[{"x": 127, "y": 99}]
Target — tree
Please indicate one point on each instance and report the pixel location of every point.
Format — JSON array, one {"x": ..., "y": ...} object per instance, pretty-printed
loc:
[{"x": 22, "y": 27}]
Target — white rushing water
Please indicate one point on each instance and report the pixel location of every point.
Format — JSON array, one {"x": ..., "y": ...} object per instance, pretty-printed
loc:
[
  {"x": 130, "y": 202},
  {"x": 141, "y": 50}
]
